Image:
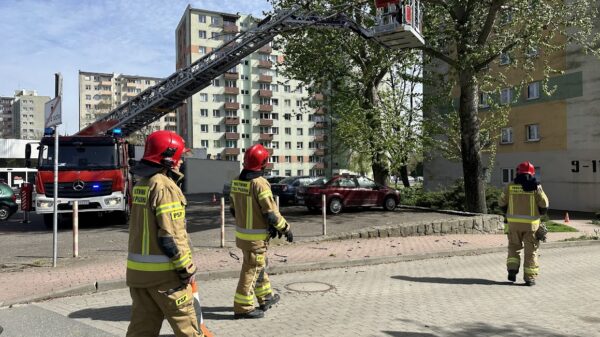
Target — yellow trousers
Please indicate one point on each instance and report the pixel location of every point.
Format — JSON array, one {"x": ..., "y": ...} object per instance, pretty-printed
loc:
[
  {"x": 253, "y": 281},
  {"x": 522, "y": 235}
]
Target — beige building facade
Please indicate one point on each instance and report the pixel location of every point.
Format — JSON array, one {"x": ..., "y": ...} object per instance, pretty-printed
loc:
[
  {"x": 99, "y": 93},
  {"x": 558, "y": 133},
  {"x": 251, "y": 103},
  {"x": 28, "y": 114}
]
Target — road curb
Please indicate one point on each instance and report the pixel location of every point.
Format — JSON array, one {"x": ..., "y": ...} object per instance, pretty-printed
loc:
[{"x": 102, "y": 286}]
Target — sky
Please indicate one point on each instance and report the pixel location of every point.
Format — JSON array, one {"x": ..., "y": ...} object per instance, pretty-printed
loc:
[{"x": 39, "y": 38}]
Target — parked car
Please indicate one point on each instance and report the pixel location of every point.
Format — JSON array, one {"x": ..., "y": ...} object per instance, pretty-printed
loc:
[
  {"x": 286, "y": 188},
  {"x": 345, "y": 191},
  {"x": 227, "y": 185},
  {"x": 301, "y": 190},
  {"x": 8, "y": 202}
]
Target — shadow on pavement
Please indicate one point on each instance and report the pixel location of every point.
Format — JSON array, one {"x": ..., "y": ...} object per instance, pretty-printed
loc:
[
  {"x": 217, "y": 313},
  {"x": 121, "y": 313},
  {"x": 444, "y": 280},
  {"x": 479, "y": 329}
]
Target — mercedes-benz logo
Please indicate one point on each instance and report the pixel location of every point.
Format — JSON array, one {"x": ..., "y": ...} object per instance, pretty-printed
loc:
[{"x": 78, "y": 185}]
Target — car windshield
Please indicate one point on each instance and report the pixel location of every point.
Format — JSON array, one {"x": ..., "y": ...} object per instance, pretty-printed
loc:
[
  {"x": 319, "y": 181},
  {"x": 288, "y": 180},
  {"x": 81, "y": 157}
]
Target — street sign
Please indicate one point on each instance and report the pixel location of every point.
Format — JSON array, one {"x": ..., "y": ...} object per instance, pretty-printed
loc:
[{"x": 53, "y": 112}]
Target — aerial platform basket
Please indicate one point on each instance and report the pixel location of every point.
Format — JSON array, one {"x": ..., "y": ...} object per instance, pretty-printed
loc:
[{"x": 398, "y": 23}]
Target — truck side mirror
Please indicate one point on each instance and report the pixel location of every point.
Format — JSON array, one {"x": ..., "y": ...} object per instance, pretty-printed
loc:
[{"x": 27, "y": 155}]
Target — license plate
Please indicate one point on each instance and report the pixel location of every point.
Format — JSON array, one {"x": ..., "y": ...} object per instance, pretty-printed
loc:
[{"x": 80, "y": 202}]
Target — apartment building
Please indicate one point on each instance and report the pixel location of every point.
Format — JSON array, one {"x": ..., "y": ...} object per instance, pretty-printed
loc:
[
  {"x": 28, "y": 114},
  {"x": 6, "y": 117},
  {"x": 251, "y": 103},
  {"x": 99, "y": 93},
  {"x": 558, "y": 133}
]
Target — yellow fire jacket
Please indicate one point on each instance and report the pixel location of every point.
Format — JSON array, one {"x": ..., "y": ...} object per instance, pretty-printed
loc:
[
  {"x": 254, "y": 210},
  {"x": 159, "y": 246},
  {"x": 522, "y": 206}
]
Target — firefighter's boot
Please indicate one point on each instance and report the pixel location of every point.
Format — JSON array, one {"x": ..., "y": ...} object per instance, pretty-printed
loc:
[
  {"x": 256, "y": 313},
  {"x": 512, "y": 275},
  {"x": 269, "y": 302}
]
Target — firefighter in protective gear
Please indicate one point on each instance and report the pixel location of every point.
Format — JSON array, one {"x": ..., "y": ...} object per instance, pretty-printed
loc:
[
  {"x": 159, "y": 263},
  {"x": 523, "y": 201},
  {"x": 257, "y": 218}
]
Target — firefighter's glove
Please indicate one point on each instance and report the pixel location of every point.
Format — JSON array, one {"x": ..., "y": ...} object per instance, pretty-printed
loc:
[
  {"x": 186, "y": 275},
  {"x": 541, "y": 232},
  {"x": 289, "y": 236},
  {"x": 273, "y": 232}
]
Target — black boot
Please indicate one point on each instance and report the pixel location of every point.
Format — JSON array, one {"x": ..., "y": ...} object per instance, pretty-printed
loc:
[
  {"x": 269, "y": 302},
  {"x": 512, "y": 275},
  {"x": 256, "y": 313},
  {"x": 530, "y": 283}
]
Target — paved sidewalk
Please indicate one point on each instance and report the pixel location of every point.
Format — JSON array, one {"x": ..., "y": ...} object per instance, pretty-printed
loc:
[{"x": 108, "y": 273}]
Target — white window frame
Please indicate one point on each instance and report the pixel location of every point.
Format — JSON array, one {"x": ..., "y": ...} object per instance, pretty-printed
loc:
[
  {"x": 203, "y": 97},
  {"x": 508, "y": 175},
  {"x": 508, "y": 132},
  {"x": 532, "y": 136},
  {"x": 483, "y": 100},
  {"x": 533, "y": 90},
  {"x": 505, "y": 96},
  {"x": 204, "y": 128}
]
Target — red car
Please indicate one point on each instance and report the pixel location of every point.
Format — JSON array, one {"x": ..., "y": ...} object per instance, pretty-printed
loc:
[{"x": 345, "y": 191}]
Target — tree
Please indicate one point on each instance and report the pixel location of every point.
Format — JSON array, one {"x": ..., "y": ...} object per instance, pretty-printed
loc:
[
  {"x": 468, "y": 35},
  {"x": 352, "y": 68}
]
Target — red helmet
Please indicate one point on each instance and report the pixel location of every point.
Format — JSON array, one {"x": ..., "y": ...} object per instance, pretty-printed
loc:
[
  {"x": 256, "y": 157},
  {"x": 526, "y": 168},
  {"x": 164, "y": 148}
]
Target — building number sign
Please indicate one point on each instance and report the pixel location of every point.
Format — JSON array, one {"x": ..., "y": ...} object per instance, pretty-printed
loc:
[{"x": 576, "y": 166}]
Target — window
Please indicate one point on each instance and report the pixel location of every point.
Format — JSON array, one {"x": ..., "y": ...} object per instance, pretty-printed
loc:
[
  {"x": 505, "y": 96},
  {"x": 364, "y": 182},
  {"x": 483, "y": 100},
  {"x": 231, "y": 113},
  {"x": 275, "y": 145},
  {"x": 300, "y": 160},
  {"x": 288, "y": 145},
  {"x": 214, "y": 35},
  {"x": 216, "y": 82},
  {"x": 311, "y": 145},
  {"x": 88, "y": 97},
  {"x": 288, "y": 173},
  {"x": 508, "y": 174},
  {"x": 299, "y": 132},
  {"x": 288, "y": 159},
  {"x": 203, "y": 127},
  {"x": 231, "y": 128},
  {"x": 299, "y": 145},
  {"x": 203, "y": 97},
  {"x": 287, "y": 117},
  {"x": 204, "y": 143},
  {"x": 504, "y": 59},
  {"x": 202, "y": 18},
  {"x": 298, "y": 117},
  {"x": 506, "y": 17},
  {"x": 214, "y": 20},
  {"x": 231, "y": 143},
  {"x": 216, "y": 113},
  {"x": 506, "y": 136},
  {"x": 533, "y": 90},
  {"x": 274, "y": 159},
  {"x": 288, "y": 131},
  {"x": 88, "y": 87},
  {"x": 300, "y": 172},
  {"x": 288, "y": 103},
  {"x": 202, "y": 34},
  {"x": 202, "y": 50},
  {"x": 275, "y": 130},
  {"x": 533, "y": 132},
  {"x": 311, "y": 131},
  {"x": 275, "y": 101},
  {"x": 216, "y": 128},
  {"x": 274, "y": 88},
  {"x": 204, "y": 112},
  {"x": 298, "y": 103}
]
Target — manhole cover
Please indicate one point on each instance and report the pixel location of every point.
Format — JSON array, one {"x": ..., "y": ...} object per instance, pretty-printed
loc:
[{"x": 309, "y": 287}]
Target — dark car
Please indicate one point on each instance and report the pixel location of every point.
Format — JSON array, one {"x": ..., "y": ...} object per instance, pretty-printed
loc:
[
  {"x": 345, "y": 191},
  {"x": 227, "y": 185},
  {"x": 8, "y": 202},
  {"x": 286, "y": 188},
  {"x": 301, "y": 190}
]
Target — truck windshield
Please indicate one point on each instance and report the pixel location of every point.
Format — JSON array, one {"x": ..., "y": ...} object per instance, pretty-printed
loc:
[{"x": 86, "y": 157}]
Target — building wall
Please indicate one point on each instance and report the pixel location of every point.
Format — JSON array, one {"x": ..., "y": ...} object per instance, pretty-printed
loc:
[
  {"x": 6, "y": 117},
  {"x": 99, "y": 93},
  {"x": 268, "y": 108},
  {"x": 28, "y": 114}
]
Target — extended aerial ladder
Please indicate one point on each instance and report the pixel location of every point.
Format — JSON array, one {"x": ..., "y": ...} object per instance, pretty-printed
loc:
[{"x": 168, "y": 94}]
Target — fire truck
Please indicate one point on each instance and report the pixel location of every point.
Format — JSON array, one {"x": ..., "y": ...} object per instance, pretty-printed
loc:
[{"x": 94, "y": 163}]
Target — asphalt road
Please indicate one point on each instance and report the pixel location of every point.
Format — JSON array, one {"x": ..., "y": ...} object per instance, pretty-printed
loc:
[{"x": 450, "y": 297}]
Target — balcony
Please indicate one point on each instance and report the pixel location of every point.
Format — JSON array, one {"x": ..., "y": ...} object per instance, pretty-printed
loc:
[
  {"x": 232, "y": 136},
  {"x": 265, "y": 49},
  {"x": 265, "y": 78},
  {"x": 320, "y": 152},
  {"x": 266, "y": 136},
  {"x": 320, "y": 138},
  {"x": 105, "y": 82},
  {"x": 265, "y": 64},
  {"x": 265, "y": 93},
  {"x": 320, "y": 125},
  {"x": 319, "y": 166},
  {"x": 232, "y": 151},
  {"x": 265, "y": 122},
  {"x": 232, "y": 90},
  {"x": 320, "y": 111},
  {"x": 265, "y": 108},
  {"x": 232, "y": 105},
  {"x": 232, "y": 121},
  {"x": 318, "y": 97},
  {"x": 230, "y": 28},
  {"x": 231, "y": 76}
]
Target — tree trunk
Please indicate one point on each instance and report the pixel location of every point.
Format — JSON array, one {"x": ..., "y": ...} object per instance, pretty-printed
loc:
[
  {"x": 404, "y": 175},
  {"x": 470, "y": 148},
  {"x": 380, "y": 170}
]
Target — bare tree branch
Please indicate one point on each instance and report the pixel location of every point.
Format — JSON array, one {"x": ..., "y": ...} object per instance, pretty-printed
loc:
[
  {"x": 489, "y": 22},
  {"x": 450, "y": 61}
]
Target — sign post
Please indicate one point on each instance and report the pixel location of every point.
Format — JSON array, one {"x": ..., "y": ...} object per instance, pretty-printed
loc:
[{"x": 53, "y": 114}]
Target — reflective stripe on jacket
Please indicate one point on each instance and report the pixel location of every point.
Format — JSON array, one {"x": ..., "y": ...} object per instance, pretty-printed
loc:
[
  {"x": 158, "y": 210},
  {"x": 252, "y": 201},
  {"x": 522, "y": 206}
]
